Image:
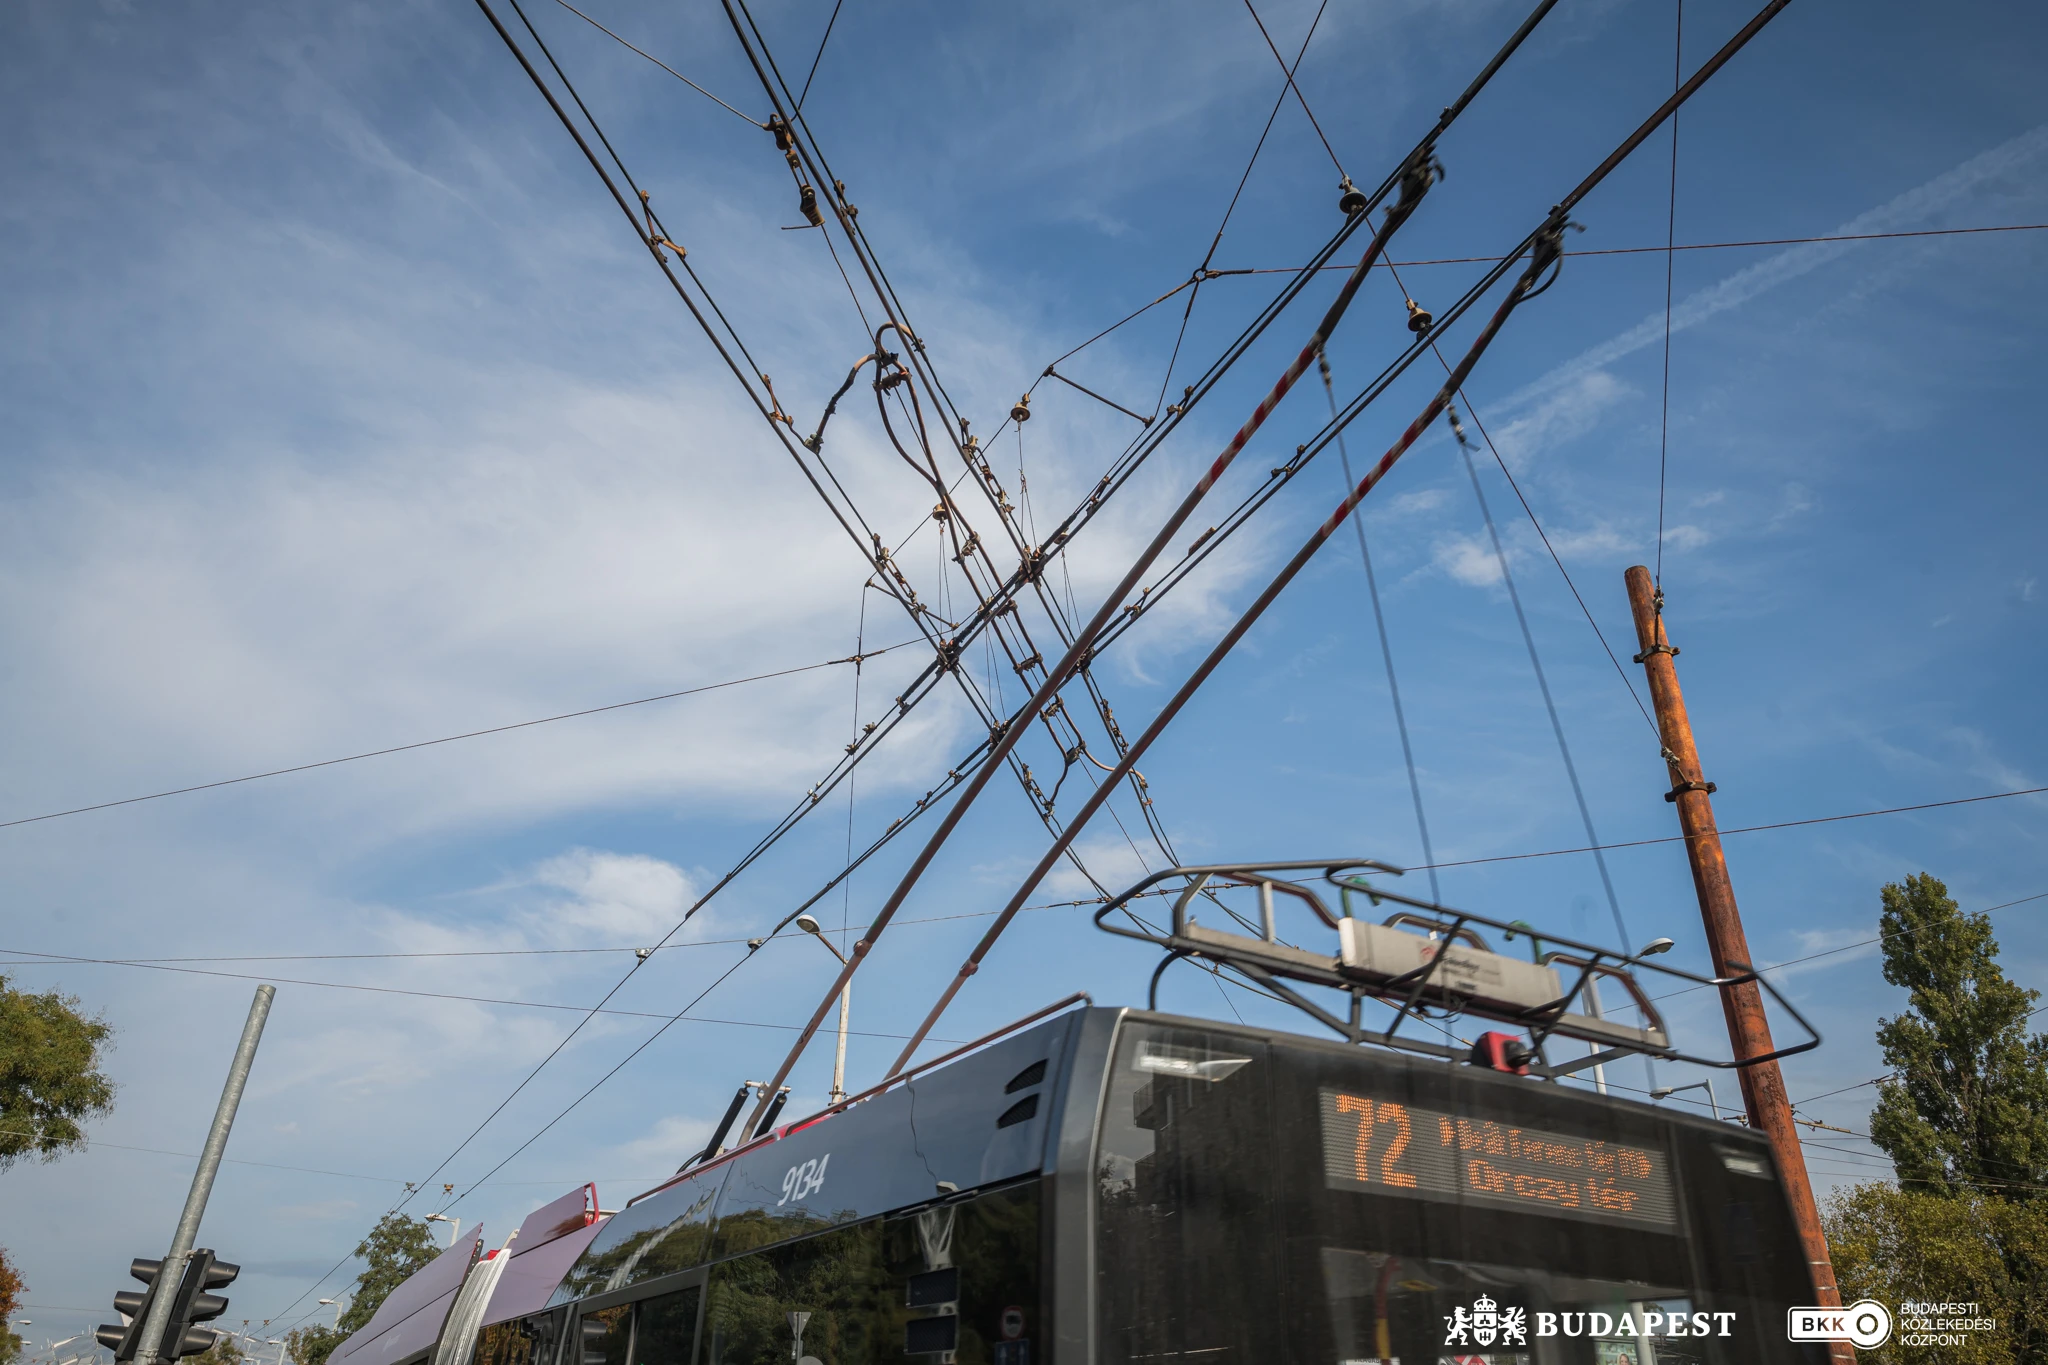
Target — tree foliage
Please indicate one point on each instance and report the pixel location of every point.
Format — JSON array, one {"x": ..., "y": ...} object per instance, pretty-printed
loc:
[
  {"x": 50, "y": 1081},
  {"x": 395, "y": 1248},
  {"x": 11, "y": 1290},
  {"x": 1967, "y": 1107},
  {"x": 311, "y": 1345},
  {"x": 225, "y": 1351},
  {"x": 1896, "y": 1245}
]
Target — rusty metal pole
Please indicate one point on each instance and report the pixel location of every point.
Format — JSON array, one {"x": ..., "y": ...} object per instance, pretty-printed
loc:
[{"x": 1749, "y": 1031}]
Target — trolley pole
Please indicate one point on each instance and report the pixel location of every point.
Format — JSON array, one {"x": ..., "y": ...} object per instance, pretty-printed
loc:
[
  {"x": 1749, "y": 1031},
  {"x": 149, "y": 1345}
]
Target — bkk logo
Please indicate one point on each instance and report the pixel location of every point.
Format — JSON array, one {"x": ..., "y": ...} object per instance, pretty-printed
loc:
[
  {"x": 1865, "y": 1323},
  {"x": 1486, "y": 1323}
]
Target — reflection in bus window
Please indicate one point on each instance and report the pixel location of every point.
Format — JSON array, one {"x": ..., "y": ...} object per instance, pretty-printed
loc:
[
  {"x": 666, "y": 1330},
  {"x": 606, "y": 1335},
  {"x": 881, "y": 1292},
  {"x": 504, "y": 1343},
  {"x": 1263, "y": 1199}
]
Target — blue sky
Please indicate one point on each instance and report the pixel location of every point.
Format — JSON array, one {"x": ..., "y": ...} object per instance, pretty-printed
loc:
[{"x": 343, "y": 413}]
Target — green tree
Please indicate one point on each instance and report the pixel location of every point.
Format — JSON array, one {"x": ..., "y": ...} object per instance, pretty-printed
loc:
[
  {"x": 396, "y": 1248},
  {"x": 226, "y": 1351},
  {"x": 11, "y": 1290},
  {"x": 312, "y": 1345},
  {"x": 50, "y": 1080},
  {"x": 1895, "y": 1245},
  {"x": 1967, "y": 1106}
]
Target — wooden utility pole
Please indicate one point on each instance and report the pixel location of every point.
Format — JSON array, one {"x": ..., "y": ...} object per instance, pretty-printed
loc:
[{"x": 1749, "y": 1031}]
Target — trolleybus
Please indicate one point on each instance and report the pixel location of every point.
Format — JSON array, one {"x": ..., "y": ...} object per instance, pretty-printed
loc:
[{"x": 1117, "y": 1186}]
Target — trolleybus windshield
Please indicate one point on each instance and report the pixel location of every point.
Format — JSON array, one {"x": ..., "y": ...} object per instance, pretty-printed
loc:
[{"x": 1264, "y": 1198}]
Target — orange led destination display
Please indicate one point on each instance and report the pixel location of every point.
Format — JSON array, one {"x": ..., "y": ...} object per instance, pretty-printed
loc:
[{"x": 1388, "y": 1147}]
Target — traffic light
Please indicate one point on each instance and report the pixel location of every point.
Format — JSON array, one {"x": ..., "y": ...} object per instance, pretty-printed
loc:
[
  {"x": 133, "y": 1308},
  {"x": 594, "y": 1331},
  {"x": 195, "y": 1305}
]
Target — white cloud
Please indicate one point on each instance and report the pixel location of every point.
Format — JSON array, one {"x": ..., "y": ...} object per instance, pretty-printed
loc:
[
  {"x": 662, "y": 1146},
  {"x": 1594, "y": 541},
  {"x": 1468, "y": 559},
  {"x": 1562, "y": 412},
  {"x": 1794, "y": 500},
  {"x": 1686, "y": 537},
  {"x": 1108, "y": 856},
  {"x": 1413, "y": 504},
  {"x": 613, "y": 898}
]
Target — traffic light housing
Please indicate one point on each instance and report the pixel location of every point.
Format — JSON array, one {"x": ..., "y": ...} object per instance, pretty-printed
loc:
[
  {"x": 593, "y": 1332},
  {"x": 133, "y": 1306},
  {"x": 195, "y": 1305}
]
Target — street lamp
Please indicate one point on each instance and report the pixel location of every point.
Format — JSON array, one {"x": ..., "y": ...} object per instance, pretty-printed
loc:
[
  {"x": 337, "y": 1312},
  {"x": 1706, "y": 1085},
  {"x": 810, "y": 926},
  {"x": 454, "y": 1225}
]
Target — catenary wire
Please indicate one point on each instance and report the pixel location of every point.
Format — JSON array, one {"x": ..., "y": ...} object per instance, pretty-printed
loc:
[
  {"x": 62, "y": 958},
  {"x": 1536, "y": 278},
  {"x": 799, "y": 151},
  {"x": 1563, "y": 572},
  {"x": 1850, "y": 947},
  {"x": 620, "y": 1066},
  {"x": 1747, "y": 829},
  {"x": 1409, "y": 168},
  {"x": 806, "y": 149},
  {"x": 1292, "y": 85},
  {"x": 1415, "y": 181},
  {"x": 662, "y": 64},
  {"x": 1682, "y": 246},
  {"x": 500, "y": 952},
  {"x": 804, "y": 94},
  {"x": 1670, "y": 263},
  {"x": 654, "y": 237},
  {"x": 1507, "y": 579},
  {"x": 445, "y": 739},
  {"x": 1526, "y": 286},
  {"x": 1564, "y": 748}
]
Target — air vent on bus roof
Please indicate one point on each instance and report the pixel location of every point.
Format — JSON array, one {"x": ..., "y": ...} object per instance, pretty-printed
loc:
[
  {"x": 1022, "y": 1111},
  {"x": 1028, "y": 1077}
]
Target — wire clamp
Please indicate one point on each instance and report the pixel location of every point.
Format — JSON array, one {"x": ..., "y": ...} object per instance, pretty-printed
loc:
[
  {"x": 1672, "y": 795},
  {"x": 1644, "y": 657}
]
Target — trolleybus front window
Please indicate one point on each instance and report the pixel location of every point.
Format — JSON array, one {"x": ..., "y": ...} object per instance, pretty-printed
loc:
[{"x": 1263, "y": 1198}]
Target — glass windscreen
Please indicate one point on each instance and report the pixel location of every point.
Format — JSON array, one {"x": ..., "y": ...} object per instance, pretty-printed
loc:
[
  {"x": 1264, "y": 1200},
  {"x": 950, "y": 1284}
]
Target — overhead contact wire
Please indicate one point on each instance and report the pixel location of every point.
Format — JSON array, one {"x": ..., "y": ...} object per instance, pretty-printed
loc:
[
  {"x": 1544, "y": 243},
  {"x": 1414, "y": 187},
  {"x": 1229, "y": 641},
  {"x": 1670, "y": 262}
]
